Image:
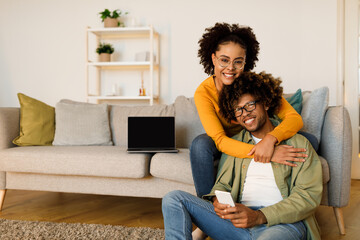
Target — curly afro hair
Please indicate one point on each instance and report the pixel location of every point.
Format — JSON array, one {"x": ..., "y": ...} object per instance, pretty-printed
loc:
[
  {"x": 263, "y": 86},
  {"x": 223, "y": 33}
]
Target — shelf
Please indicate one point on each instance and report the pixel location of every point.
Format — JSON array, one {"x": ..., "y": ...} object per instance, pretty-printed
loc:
[
  {"x": 103, "y": 32},
  {"x": 120, "y": 64},
  {"x": 120, "y": 97},
  {"x": 96, "y": 74}
]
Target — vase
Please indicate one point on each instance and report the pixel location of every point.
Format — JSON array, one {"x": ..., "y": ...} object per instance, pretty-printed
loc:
[
  {"x": 104, "y": 57},
  {"x": 110, "y": 22}
]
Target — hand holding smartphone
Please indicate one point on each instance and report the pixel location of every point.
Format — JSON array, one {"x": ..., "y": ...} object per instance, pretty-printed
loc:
[{"x": 224, "y": 198}]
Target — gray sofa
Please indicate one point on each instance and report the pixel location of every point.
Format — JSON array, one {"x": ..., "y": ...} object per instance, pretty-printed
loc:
[{"x": 111, "y": 170}]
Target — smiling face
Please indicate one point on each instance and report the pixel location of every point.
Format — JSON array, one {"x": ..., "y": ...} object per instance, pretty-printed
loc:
[
  {"x": 256, "y": 121},
  {"x": 226, "y": 75}
]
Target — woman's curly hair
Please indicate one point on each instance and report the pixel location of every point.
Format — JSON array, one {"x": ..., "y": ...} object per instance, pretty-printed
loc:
[
  {"x": 223, "y": 33},
  {"x": 263, "y": 86}
]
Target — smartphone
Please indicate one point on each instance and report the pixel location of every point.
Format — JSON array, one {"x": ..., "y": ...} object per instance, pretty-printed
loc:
[{"x": 224, "y": 198}]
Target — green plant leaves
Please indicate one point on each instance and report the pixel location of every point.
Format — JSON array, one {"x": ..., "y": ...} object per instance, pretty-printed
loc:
[
  {"x": 108, "y": 14},
  {"x": 105, "y": 48}
]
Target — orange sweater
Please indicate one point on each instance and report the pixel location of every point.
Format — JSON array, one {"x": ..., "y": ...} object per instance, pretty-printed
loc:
[{"x": 206, "y": 100}]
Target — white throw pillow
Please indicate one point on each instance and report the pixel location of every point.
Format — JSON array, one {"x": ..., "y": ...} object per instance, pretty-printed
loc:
[
  {"x": 313, "y": 111},
  {"x": 78, "y": 123}
]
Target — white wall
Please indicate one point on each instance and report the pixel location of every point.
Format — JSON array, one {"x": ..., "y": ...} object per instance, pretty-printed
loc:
[{"x": 42, "y": 42}]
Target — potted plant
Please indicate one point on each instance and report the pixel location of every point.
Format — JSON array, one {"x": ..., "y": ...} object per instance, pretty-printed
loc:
[
  {"x": 105, "y": 50},
  {"x": 110, "y": 19}
]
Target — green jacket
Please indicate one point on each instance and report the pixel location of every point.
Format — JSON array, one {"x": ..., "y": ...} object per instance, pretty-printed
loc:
[{"x": 301, "y": 186}]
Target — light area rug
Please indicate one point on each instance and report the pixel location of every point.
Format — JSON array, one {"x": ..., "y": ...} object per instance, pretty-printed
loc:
[{"x": 24, "y": 230}]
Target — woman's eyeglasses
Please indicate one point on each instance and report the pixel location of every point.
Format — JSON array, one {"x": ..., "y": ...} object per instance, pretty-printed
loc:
[{"x": 225, "y": 62}]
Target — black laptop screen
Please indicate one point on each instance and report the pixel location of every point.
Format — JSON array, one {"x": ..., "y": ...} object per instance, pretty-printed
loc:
[{"x": 151, "y": 132}]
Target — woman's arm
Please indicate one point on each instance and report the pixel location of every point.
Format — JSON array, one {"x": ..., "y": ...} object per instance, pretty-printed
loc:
[
  {"x": 291, "y": 122},
  {"x": 208, "y": 108}
]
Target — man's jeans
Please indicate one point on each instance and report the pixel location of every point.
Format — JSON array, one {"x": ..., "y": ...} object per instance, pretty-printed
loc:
[{"x": 180, "y": 209}]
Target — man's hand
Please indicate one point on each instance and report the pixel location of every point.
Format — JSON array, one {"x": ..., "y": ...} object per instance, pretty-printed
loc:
[{"x": 240, "y": 215}]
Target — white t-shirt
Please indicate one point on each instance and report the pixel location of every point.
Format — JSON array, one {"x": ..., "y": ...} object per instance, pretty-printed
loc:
[{"x": 260, "y": 188}]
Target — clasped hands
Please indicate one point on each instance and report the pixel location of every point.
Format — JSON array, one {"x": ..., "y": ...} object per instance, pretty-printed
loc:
[
  {"x": 240, "y": 215},
  {"x": 266, "y": 151}
]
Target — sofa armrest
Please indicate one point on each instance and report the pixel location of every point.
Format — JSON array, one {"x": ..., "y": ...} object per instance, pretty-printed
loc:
[
  {"x": 9, "y": 126},
  {"x": 336, "y": 148}
]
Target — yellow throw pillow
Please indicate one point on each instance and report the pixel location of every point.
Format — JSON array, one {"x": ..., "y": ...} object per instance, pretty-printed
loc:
[{"x": 37, "y": 122}]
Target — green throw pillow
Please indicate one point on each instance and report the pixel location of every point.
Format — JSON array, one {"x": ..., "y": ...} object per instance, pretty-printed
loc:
[
  {"x": 296, "y": 100},
  {"x": 37, "y": 122}
]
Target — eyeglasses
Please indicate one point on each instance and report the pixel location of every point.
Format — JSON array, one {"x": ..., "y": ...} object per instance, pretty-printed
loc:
[
  {"x": 237, "y": 63},
  {"x": 249, "y": 107}
]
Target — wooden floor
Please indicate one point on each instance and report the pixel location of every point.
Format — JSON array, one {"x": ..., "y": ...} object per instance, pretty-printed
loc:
[{"x": 139, "y": 212}]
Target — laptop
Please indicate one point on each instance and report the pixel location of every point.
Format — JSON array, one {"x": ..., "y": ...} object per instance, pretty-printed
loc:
[{"x": 151, "y": 134}]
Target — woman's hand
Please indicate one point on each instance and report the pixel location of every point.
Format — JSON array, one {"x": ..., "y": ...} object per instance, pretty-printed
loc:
[
  {"x": 285, "y": 153},
  {"x": 264, "y": 150}
]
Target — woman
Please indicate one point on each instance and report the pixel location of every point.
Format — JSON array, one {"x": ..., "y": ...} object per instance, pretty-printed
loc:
[{"x": 225, "y": 52}]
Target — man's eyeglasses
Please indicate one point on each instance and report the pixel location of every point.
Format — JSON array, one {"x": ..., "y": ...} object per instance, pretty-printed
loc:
[
  {"x": 249, "y": 107},
  {"x": 237, "y": 63}
]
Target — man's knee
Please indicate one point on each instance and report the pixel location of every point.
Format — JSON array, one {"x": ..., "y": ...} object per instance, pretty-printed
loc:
[
  {"x": 172, "y": 198},
  {"x": 284, "y": 231}
]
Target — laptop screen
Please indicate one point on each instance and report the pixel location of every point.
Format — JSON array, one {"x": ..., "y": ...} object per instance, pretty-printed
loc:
[{"x": 151, "y": 132}]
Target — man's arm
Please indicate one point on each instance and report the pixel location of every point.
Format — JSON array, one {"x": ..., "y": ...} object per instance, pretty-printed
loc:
[{"x": 305, "y": 192}]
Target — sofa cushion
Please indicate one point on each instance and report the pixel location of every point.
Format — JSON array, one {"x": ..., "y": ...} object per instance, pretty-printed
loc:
[
  {"x": 172, "y": 166},
  {"x": 313, "y": 111},
  {"x": 177, "y": 167},
  {"x": 37, "y": 122},
  {"x": 187, "y": 121},
  {"x": 104, "y": 161},
  {"x": 325, "y": 170},
  {"x": 295, "y": 100},
  {"x": 81, "y": 124},
  {"x": 119, "y": 117}
]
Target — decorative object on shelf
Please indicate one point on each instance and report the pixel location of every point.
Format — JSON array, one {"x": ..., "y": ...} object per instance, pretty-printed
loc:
[
  {"x": 110, "y": 19},
  {"x": 115, "y": 90},
  {"x": 143, "y": 56},
  {"x": 105, "y": 50},
  {"x": 142, "y": 91}
]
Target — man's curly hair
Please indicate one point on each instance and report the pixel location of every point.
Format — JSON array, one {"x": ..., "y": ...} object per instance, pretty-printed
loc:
[
  {"x": 223, "y": 33},
  {"x": 263, "y": 86}
]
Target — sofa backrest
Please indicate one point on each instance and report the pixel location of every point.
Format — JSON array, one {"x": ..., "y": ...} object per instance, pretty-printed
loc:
[
  {"x": 314, "y": 106},
  {"x": 188, "y": 124},
  {"x": 187, "y": 121}
]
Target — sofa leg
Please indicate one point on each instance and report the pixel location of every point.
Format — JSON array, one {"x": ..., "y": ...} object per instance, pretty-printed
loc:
[
  {"x": 340, "y": 219},
  {"x": 2, "y": 197}
]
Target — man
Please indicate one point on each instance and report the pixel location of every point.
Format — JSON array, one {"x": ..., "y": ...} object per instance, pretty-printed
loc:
[{"x": 273, "y": 201}]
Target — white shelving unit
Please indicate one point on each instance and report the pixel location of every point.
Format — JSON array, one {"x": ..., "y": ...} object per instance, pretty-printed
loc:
[{"x": 149, "y": 36}]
